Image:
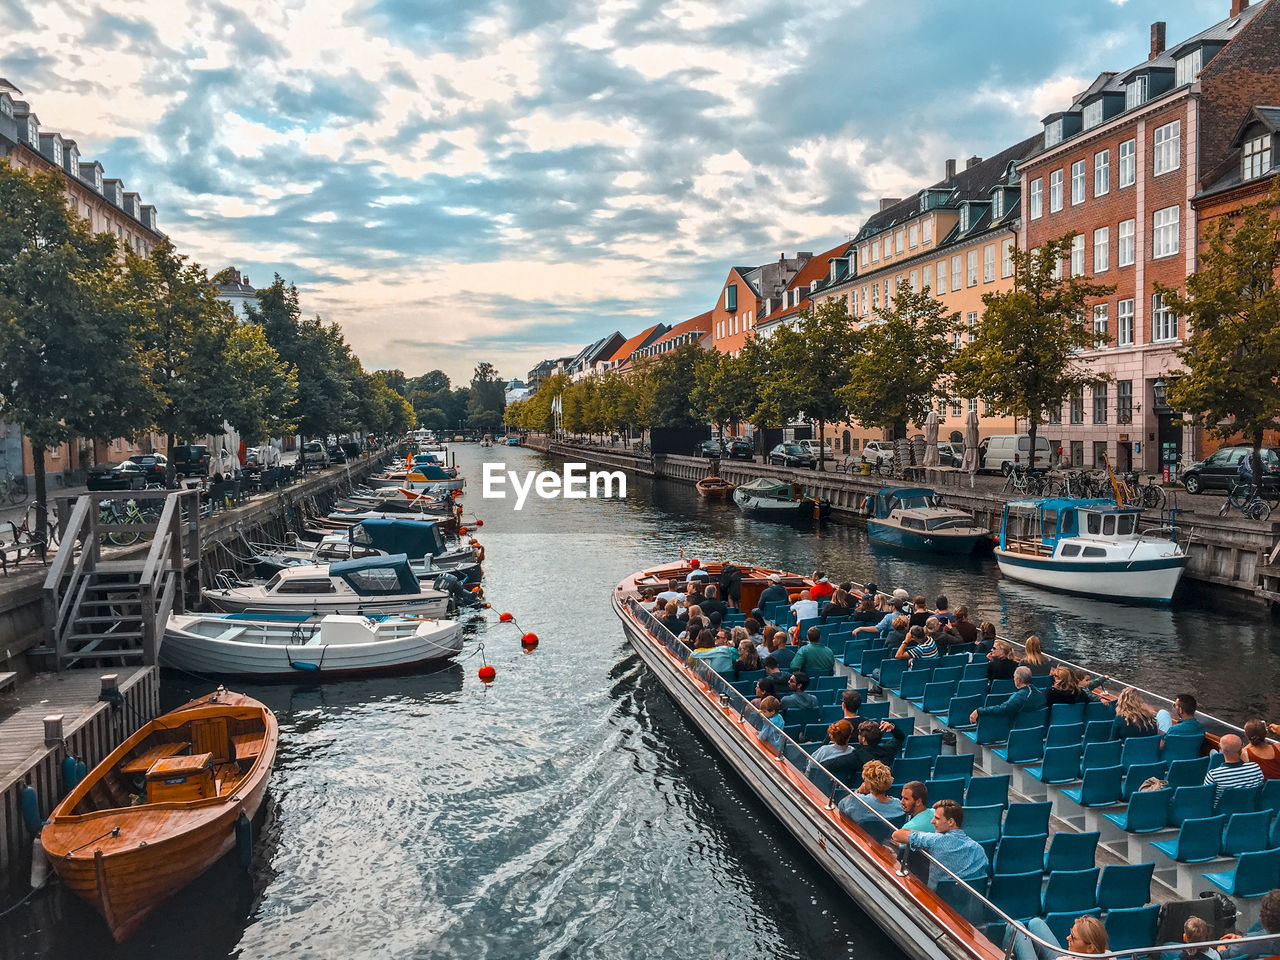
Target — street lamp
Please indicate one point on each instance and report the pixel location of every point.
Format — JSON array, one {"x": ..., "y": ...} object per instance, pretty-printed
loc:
[{"x": 1159, "y": 386}]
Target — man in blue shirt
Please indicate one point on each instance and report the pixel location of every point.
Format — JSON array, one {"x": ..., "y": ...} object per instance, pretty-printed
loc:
[
  {"x": 900, "y": 597},
  {"x": 1024, "y": 697},
  {"x": 948, "y": 844},
  {"x": 798, "y": 698},
  {"x": 1182, "y": 722}
]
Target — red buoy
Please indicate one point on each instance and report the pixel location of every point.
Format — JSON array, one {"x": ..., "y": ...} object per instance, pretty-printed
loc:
[
  {"x": 487, "y": 673},
  {"x": 479, "y": 523},
  {"x": 462, "y": 531},
  {"x": 505, "y": 618},
  {"x": 529, "y": 640}
]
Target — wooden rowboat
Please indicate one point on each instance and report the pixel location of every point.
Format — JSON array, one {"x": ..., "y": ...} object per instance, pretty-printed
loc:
[
  {"x": 715, "y": 488},
  {"x": 163, "y": 806}
]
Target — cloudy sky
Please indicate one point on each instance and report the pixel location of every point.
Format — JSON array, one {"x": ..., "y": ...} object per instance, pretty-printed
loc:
[{"x": 465, "y": 180}]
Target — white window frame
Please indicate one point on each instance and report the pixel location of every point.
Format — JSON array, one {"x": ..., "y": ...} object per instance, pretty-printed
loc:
[
  {"x": 926, "y": 230},
  {"x": 897, "y": 242},
  {"x": 1124, "y": 323},
  {"x": 913, "y": 236},
  {"x": 1055, "y": 191},
  {"x": 1164, "y": 325},
  {"x": 1187, "y": 67},
  {"x": 1006, "y": 258},
  {"x": 1128, "y": 163},
  {"x": 1102, "y": 173},
  {"x": 1100, "y": 317},
  {"x": 1077, "y": 255},
  {"x": 1135, "y": 92},
  {"x": 957, "y": 275},
  {"x": 940, "y": 276},
  {"x": 1256, "y": 157},
  {"x": 971, "y": 269},
  {"x": 1036, "y": 199},
  {"x": 1077, "y": 183},
  {"x": 1165, "y": 224},
  {"x": 989, "y": 263},
  {"x": 1166, "y": 154},
  {"x": 1125, "y": 251},
  {"x": 1102, "y": 250},
  {"x": 875, "y": 252}
]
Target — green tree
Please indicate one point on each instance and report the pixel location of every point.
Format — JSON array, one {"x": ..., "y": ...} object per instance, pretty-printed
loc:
[
  {"x": 486, "y": 398},
  {"x": 1232, "y": 345},
  {"x": 672, "y": 378},
  {"x": 68, "y": 354},
  {"x": 1024, "y": 356},
  {"x": 899, "y": 364},
  {"x": 259, "y": 389}
]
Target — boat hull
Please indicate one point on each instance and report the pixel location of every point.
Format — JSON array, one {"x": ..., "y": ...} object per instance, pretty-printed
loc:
[
  {"x": 124, "y": 878},
  {"x": 781, "y": 509},
  {"x": 1149, "y": 581},
  {"x": 242, "y": 601},
  {"x": 930, "y": 542}
]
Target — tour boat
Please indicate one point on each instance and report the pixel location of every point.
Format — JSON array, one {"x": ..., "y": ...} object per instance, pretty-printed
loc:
[
  {"x": 163, "y": 807},
  {"x": 298, "y": 645},
  {"x": 915, "y": 518},
  {"x": 1134, "y": 856},
  {"x": 715, "y": 488},
  {"x": 370, "y": 585},
  {"x": 1090, "y": 547},
  {"x": 766, "y": 497},
  {"x": 513, "y": 441}
]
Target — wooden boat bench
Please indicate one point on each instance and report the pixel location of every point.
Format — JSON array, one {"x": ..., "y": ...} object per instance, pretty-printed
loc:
[
  {"x": 249, "y": 745},
  {"x": 8, "y": 682},
  {"x": 142, "y": 763}
]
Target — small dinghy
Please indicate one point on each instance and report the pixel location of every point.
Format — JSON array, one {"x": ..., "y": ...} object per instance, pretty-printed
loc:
[{"x": 713, "y": 488}]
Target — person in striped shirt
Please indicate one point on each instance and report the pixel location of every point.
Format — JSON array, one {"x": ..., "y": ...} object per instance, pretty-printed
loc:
[
  {"x": 1234, "y": 772},
  {"x": 917, "y": 645}
]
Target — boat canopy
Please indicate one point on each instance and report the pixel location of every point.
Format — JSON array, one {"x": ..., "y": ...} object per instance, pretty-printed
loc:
[
  {"x": 376, "y": 576},
  {"x": 414, "y": 538},
  {"x": 424, "y": 458},
  {"x": 889, "y": 499},
  {"x": 428, "y": 471},
  {"x": 766, "y": 487},
  {"x": 1049, "y": 518}
]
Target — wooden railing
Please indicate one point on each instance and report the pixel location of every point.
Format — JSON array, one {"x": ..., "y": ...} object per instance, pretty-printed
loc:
[{"x": 175, "y": 546}]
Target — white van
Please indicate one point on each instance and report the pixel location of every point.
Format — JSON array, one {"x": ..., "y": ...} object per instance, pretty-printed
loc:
[
  {"x": 999, "y": 453},
  {"x": 813, "y": 446}
]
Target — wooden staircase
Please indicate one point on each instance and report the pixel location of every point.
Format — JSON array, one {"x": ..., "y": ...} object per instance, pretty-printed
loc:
[{"x": 112, "y": 612}]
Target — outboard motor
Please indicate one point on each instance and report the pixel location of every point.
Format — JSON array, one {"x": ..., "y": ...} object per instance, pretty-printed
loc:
[{"x": 453, "y": 586}]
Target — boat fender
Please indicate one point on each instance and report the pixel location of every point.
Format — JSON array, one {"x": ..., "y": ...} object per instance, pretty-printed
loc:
[
  {"x": 69, "y": 779},
  {"x": 31, "y": 810},
  {"x": 82, "y": 771},
  {"x": 39, "y": 865},
  {"x": 305, "y": 667},
  {"x": 866, "y": 504},
  {"x": 244, "y": 840}
]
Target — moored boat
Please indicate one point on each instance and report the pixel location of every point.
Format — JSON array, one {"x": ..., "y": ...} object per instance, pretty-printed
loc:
[
  {"x": 162, "y": 807},
  {"x": 297, "y": 645},
  {"x": 766, "y": 497},
  {"x": 1090, "y": 547},
  {"x": 713, "y": 488},
  {"x": 915, "y": 518}
]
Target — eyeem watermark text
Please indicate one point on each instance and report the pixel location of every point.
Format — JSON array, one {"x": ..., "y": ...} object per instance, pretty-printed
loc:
[{"x": 575, "y": 484}]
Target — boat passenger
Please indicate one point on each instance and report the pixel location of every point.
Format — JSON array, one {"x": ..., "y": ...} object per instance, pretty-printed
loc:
[
  {"x": 837, "y": 606},
  {"x": 987, "y": 637},
  {"x": 915, "y": 804},
  {"x": 838, "y": 736},
  {"x": 948, "y": 844},
  {"x": 823, "y": 588},
  {"x": 1084, "y": 937},
  {"x": 772, "y": 684},
  {"x": 871, "y": 745},
  {"x": 696, "y": 572},
  {"x": 771, "y": 731},
  {"x": 1196, "y": 930},
  {"x": 1265, "y": 755},
  {"x": 693, "y": 627},
  {"x": 1133, "y": 717},
  {"x": 719, "y": 656},
  {"x": 814, "y": 656},
  {"x": 1065, "y": 688},
  {"x": 799, "y": 698},
  {"x": 711, "y": 602},
  {"x": 1268, "y": 922},
  {"x": 673, "y": 591},
  {"x": 1024, "y": 697},
  {"x": 942, "y": 610},
  {"x": 917, "y": 645},
  {"x": 920, "y": 613},
  {"x": 731, "y": 584},
  {"x": 866, "y": 611},
  {"x": 1000, "y": 661},
  {"x": 1234, "y": 773},
  {"x": 1033, "y": 657},
  {"x": 850, "y": 704},
  {"x": 752, "y": 626},
  {"x": 806, "y": 608},
  {"x": 961, "y": 628},
  {"x": 872, "y": 797},
  {"x": 693, "y": 593},
  {"x": 900, "y": 597},
  {"x": 775, "y": 592},
  {"x": 1182, "y": 722},
  {"x": 748, "y": 656},
  {"x": 670, "y": 618}
]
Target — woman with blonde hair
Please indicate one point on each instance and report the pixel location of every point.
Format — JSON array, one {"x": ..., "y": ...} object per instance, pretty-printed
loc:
[
  {"x": 748, "y": 656},
  {"x": 1034, "y": 657},
  {"x": 1133, "y": 717},
  {"x": 1065, "y": 689},
  {"x": 873, "y": 796}
]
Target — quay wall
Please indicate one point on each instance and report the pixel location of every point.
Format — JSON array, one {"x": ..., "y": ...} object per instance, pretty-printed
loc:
[{"x": 1231, "y": 552}]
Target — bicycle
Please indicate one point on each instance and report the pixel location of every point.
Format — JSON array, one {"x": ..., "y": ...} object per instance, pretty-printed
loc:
[
  {"x": 14, "y": 490},
  {"x": 1149, "y": 495},
  {"x": 29, "y": 527},
  {"x": 1024, "y": 482},
  {"x": 1244, "y": 497},
  {"x": 110, "y": 512}
]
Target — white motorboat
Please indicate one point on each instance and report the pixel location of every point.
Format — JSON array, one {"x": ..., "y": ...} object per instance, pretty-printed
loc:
[
  {"x": 237, "y": 644},
  {"x": 775, "y": 498}
]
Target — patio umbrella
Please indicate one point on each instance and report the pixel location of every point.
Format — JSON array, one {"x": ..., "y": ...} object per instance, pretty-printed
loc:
[
  {"x": 971, "y": 445},
  {"x": 931, "y": 439}
]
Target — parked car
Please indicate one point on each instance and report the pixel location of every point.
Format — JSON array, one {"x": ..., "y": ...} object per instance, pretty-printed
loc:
[
  {"x": 709, "y": 448},
  {"x": 874, "y": 451},
  {"x": 792, "y": 455},
  {"x": 153, "y": 464},
  {"x": 190, "y": 459},
  {"x": 351, "y": 449},
  {"x": 740, "y": 449},
  {"x": 1219, "y": 470},
  {"x": 950, "y": 454},
  {"x": 998, "y": 454},
  {"x": 336, "y": 454},
  {"x": 814, "y": 447},
  {"x": 117, "y": 476},
  {"x": 314, "y": 454}
]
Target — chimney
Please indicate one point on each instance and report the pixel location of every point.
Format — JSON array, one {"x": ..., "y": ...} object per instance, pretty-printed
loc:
[
  {"x": 887, "y": 202},
  {"x": 951, "y": 169},
  {"x": 804, "y": 255},
  {"x": 1157, "y": 39},
  {"x": 1238, "y": 7},
  {"x": 972, "y": 162}
]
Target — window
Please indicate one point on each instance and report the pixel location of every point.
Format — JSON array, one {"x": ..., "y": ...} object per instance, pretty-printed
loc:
[
  {"x": 1077, "y": 453},
  {"x": 875, "y": 296},
  {"x": 1164, "y": 233},
  {"x": 1167, "y": 154},
  {"x": 864, "y": 301},
  {"x": 1256, "y": 157},
  {"x": 941, "y": 270},
  {"x": 1187, "y": 67},
  {"x": 973, "y": 405},
  {"x": 1054, "y": 414},
  {"x": 886, "y": 293},
  {"x": 731, "y": 297},
  {"x": 1128, "y": 163},
  {"x": 875, "y": 252},
  {"x": 1055, "y": 191},
  {"x": 1006, "y": 258},
  {"x": 897, "y": 242},
  {"x": 955, "y": 341},
  {"x": 915, "y": 281},
  {"x": 988, "y": 408},
  {"x": 1092, "y": 115},
  {"x": 1077, "y": 255},
  {"x": 1124, "y": 323},
  {"x": 1100, "y": 403},
  {"x": 964, "y": 218},
  {"x": 1100, "y": 322},
  {"x": 1101, "y": 173},
  {"x": 988, "y": 263},
  {"x": 1037, "y": 191},
  {"x": 971, "y": 319},
  {"x": 971, "y": 277},
  {"x": 1124, "y": 401},
  {"x": 1077, "y": 406},
  {"x": 1052, "y": 134},
  {"x": 1164, "y": 325},
  {"x": 1135, "y": 92},
  {"x": 1099, "y": 463},
  {"x": 956, "y": 279},
  {"x": 997, "y": 204},
  {"x": 1101, "y": 249},
  {"x": 913, "y": 239},
  {"x": 957, "y": 407},
  {"x": 57, "y": 151},
  {"x": 865, "y": 254},
  {"x": 1077, "y": 182},
  {"x": 1124, "y": 248}
]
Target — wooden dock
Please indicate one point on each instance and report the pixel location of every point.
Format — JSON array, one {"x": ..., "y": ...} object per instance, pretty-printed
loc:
[{"x": 91, "y": 729}]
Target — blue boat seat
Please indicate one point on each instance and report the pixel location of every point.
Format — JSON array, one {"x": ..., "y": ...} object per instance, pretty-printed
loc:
[
  {"x": 1100, "y": 710},
  {"x": 959, "y": 711},
  {"x": 1071, "y": 851},
  {"x": 922, "y": 745},
  {"x": 1138, "y": 774},
  {"x": 1125, "y": 885},
  {"x": 1100, "y": 787},
  {"x": 1197, "y": 841},
  {"x": 913, "y": 684},
  {"x": 1061, "y": 765},
  {"x": 1132, "y": 928},
  {"x": 1097, "y": 731},
  {"x": 1180, "y": 748},
  {"x": 985, "y": 791},
  {"x": 972, "y": 688},
  {"x": 1237, "y": 800},
  {"x": 830, "y": 714},
  {"x": 1001, "y": 687},
  {"x": 1071, "y": 890},
  {"x": 945, "y": 790},
  {"x": 1246, "y": 833},
  {"x": 953, "y": 765},
  {"x": 891, "y": 672},
  {"x": 1023, "y": 746},
  {"x": 1016, "y": 894},
  {"x": 982, "y": 823},
  {"x": 1064, "y": 735},
  {"x": 832, "y": 682},
  {"x": 1060, "y": 924},
  {"x": 1147, "y": 812},
  {"x": 1254, "y": 875},
  {"x": 1188, "y": 773},
  {"x": 906, "y": 724},
  {"x": 1106, "y": 754},
  {"x": 906, "y": 769},
  {"x": 937, "y": 696},
  {"x": 975, "y": 671},
  {"x": 874, "y": 711},
  {"x": 1020, "y": 854},
  {"x": 1066, "y": 713},
  {"x": 1190, "y": 803},
  {"x": 1027, "y": 819},
  {"x": 1269, "y": 798},
  {"x": 1140, "y": 750}
]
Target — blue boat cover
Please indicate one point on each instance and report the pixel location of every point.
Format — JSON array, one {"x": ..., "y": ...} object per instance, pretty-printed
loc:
[
  {"x": 371, "y": 576},
  {"x": 432, "y": 471},
  {"x": 414, "y": 538}
]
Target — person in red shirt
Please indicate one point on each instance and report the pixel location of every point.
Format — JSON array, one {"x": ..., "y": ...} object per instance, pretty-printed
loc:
[{"x": 823, "y": 588}]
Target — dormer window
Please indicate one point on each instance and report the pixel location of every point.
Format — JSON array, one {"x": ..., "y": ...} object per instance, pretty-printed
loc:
[
  {"x": 731, "y": 298},
  {"x": 56, "y": 150},
  {"x": 964, "y": 217},
  {"x": 1092, "y": 114},
  {"x": 997, "y": 204},
  {"x": 97, "y": 179},
  {"x": 6, "y": 106},
  {"x": 73, "y": 161},
  {"x": 33, "y": 131},
  {"x": 924, "y": 201},
  {"x": 1135, "y": 92},
  {"x": 1256, "y": 157},
  {"x": 1052, "y": 134},
  {"x": 1188, "y": 66}
]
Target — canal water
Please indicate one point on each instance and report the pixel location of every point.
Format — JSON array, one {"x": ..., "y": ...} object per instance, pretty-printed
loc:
[{"x": 567, "y": 810}]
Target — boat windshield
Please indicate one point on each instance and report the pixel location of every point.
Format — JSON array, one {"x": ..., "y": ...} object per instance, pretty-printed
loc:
[
  {"x": 1111, "y": 524},
  {"x": 949, "y": 523},
  {"x": 916, "y": 501}
]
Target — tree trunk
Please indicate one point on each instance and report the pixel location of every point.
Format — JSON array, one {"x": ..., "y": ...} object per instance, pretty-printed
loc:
[
  {"x": 170, "y": 472},
  {"x": 1256, "y": 461},
  {"x": 42, "y": 489},
  {"x": 1033, "y": 427},
  {"x": 822, "y": 446}
]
